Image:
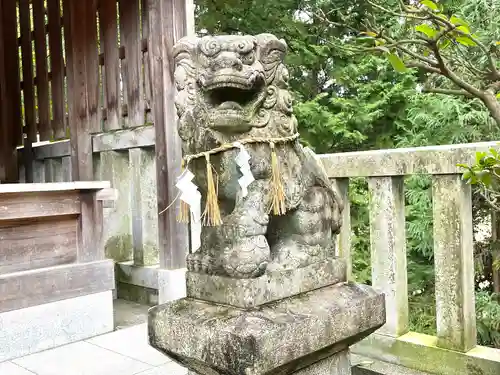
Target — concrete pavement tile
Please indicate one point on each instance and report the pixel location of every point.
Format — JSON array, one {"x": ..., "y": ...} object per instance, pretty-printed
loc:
[
  {"x": 131, "y": 342},
  {"x": 81, "y": 358},
  {"x": 9, "y": 368}
]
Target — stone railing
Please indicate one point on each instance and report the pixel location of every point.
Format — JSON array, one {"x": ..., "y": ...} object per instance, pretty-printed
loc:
[{"x": 454, "y": 349}]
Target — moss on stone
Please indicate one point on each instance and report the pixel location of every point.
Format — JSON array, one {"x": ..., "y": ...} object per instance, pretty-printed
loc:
[
  {"x": 420, "y": 352},
  {"x": 119, "y": 248}
]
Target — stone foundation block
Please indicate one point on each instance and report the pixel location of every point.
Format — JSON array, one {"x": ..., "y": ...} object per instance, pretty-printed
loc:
[
  {"x": 171, "y": 284},
  {"x": 37, "y": 328},
  {"x": 273, "y": 286},
  {"x": 281, "y": 337}
]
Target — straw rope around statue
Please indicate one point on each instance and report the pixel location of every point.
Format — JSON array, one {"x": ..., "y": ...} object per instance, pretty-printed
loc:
[{"x": 211, "y": 215}]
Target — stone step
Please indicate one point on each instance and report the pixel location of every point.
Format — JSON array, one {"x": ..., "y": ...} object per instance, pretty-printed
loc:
[{"x": 368, "y": 366}]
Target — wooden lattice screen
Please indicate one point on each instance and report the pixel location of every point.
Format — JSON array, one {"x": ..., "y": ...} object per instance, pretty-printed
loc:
[
  {"x": 70, "y": 69},
  {"x": 38, "y": 45}
]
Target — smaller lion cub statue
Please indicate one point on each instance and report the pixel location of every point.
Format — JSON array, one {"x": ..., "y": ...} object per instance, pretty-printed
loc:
[{"x": 233, "y": 90}]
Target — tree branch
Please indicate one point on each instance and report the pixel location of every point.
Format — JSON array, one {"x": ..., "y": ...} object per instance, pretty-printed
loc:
[
  {"x": 392, "y": 13},
  {"x": 491, "y": 197},
  {"x": 437, "y": 64},
  {"x": 323, "y": 17},
  {"x": 409, "y": 14},
  {"x": 417, "y": 56},
  {"x": 447, "y": 72},
  {"x": 451, "y": 27},
  {"x": 406, "y": 9},
  {"x": 448, "y": 92},
  {"x": 476, "y": 72},
  {"x": 429, "y": 69},
  {"x": 494, "y": 87},
  {"x": 488, "y": 201}
]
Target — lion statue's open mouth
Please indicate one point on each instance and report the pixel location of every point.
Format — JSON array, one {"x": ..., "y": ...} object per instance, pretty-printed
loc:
[
  {"x": 232, "y": 85},
  {"x": 233, "y": 99}
]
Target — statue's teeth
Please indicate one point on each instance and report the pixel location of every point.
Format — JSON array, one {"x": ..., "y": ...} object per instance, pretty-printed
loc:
[{"x": 230, "y": 105}]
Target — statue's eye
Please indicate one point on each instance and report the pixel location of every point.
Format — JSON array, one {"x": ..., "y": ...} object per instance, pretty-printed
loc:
[
  {"x": 210, "y": 46},
  {"x": 248, "y": 58},
  {"x": 244, "y": 46}
]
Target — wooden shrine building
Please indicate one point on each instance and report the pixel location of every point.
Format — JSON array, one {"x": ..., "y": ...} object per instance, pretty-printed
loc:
[{"x": 86, "y": 102}]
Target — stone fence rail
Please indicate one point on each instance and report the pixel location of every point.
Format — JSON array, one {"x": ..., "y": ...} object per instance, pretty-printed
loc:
[{"x": 455, "y": 347}]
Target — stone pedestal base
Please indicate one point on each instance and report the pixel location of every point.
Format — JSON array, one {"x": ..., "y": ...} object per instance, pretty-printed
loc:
[
  {"x": 337, "y": 364},
  {"x": 272, "y": 286},
  {"x": 306, "y": 334}
]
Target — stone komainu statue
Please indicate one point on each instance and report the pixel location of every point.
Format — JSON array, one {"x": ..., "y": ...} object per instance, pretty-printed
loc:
[{"x": 235, "y": 88}]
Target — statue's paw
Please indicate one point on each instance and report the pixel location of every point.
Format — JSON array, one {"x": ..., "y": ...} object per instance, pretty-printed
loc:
[
  {"x": 289, "y": 255},
  {"x": 207, "y": 264},
  {"x": 246, "y": 271},
  {"x": 247, "y": 258},
  {"x": 194, "y": 262}
]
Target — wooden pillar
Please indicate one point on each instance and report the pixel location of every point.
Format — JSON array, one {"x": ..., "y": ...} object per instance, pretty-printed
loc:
[
  {"x": 3, "y": 110},
  {"x": 10, "y": 93},
  {"x": 130, "y": 38},
  {"x": 167, "y": 22},
  {"x": 108, "y": 22},
  {"x": 43, "y": 97},
  {"x": 28, "y": 87},
  {"x": 57, "y": 67},
  {"x": 84, "y": 77}
]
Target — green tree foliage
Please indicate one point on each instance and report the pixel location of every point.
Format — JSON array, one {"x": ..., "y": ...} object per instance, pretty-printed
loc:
[
  {"x": 443, "y": 119},
  {"x": 456, "y": 57},
  {"x": 488, "y": 318},
  {"x": 347, "y": 101},
  {"x": 485, "y": 175}
]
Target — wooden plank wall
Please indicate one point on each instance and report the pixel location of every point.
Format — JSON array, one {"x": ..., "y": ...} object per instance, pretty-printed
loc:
[
  {"x": 93, "y": 83},
  {"x": 50, "y": 245},
  {"x": 126, "y": 158}
]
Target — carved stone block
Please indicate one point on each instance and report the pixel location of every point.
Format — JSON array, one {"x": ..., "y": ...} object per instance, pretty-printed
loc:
[
  {"x": 279, "y": 338},
  {"x": 248, "y": 293}
]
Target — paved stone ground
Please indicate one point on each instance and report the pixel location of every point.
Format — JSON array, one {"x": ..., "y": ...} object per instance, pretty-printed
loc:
[
  {"x": 128, "y": 314},
  {"x": 126, "y": 352},
  {"x": 122, "y": 352}
]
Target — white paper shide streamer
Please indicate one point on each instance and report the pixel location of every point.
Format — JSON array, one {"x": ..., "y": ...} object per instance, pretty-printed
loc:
[
  {"x": 192, "y": 197},
  {"x": 242, "y": 161}
]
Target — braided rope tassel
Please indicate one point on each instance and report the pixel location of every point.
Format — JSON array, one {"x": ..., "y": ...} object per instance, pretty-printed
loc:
[
  {"x": 211, "y": 215},
  {"x": 278, "y": 191},
  {"x": 183, "y": 216}
]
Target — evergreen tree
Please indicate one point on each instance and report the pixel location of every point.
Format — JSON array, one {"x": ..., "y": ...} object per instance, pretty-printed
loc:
[{"x": 346, "y": 101}]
